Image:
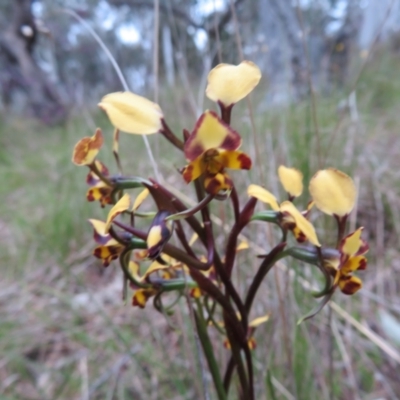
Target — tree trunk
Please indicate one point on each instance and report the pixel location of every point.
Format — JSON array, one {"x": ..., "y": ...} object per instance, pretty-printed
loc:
[{"x": 21, "y": 70}]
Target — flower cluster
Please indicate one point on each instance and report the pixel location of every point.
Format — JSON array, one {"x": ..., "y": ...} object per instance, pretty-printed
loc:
[{"x": 161, "y": 259}]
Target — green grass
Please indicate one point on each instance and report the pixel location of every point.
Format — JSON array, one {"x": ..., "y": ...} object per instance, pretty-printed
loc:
[{"x": 65, "y": 331}]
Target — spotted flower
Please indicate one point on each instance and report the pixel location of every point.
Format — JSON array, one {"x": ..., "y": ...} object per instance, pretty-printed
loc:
[
  {"x": 352, "y": 258},
  {"x": 99, "y": 190},
  {"x": 212, "y": 147},
  {"x": 291, "y": 218},
  {"x": 228, "y": 84},
  {"x": 156, "y": 273},
  {"x": 109, "y": 249},
  {"x": 86, "y": 150}
]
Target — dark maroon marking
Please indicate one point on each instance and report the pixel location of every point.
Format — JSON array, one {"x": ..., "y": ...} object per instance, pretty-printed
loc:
[
  {"x": 350, "y": 287},
  {"x": 213, "y": 186},
  {"x": 362, "y": 265},
  {"x": 245, "y": 161},
  {"x": 100, "y": 239},
  {"x": 187, "y": 173},
  {"x": 89, "y": 195},
  {"x": 301, "y": 238},
  {"x": 364, "y": 247},
  {"x": 92, "y": 179},
  {"x": 97, "y": 252},
  {"x": 192, "y": 153},
  {"x": 232, "y": 140}
]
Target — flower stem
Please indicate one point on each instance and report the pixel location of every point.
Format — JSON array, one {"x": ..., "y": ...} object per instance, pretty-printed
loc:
[
  {"x": 170, "y": 136},
  {"x": 191, "y": 211},
  {"x": 273, "y": 256},
  {"x": 209, "y": 351},
  {"x": 96, "y": 171}
]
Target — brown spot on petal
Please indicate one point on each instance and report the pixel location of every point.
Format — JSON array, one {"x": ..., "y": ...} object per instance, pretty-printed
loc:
[
  {"x": 232, "y": 141},
  {"x": 90, "y": 195},
  {"x": 187, "y": 173},
  {"x": 349, "y": 285},
  {"x": 363, "y": 264},
  {"x": 245, "y": 161}
]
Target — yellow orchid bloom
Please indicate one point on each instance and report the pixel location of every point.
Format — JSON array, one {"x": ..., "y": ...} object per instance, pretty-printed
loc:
[
  {"x": 99, "y": 190},
  {"x": 333, "y": 192},
  {"x": 131, "y": 113},
  {"x": 159, "y": 233},
  {"x": 86, "y": 150},
  {"x": 352, "y": 250},
  {"x": 212, "y": 147},
  {"x": 291, "y": 218},
  {"x": 109, "y": 248},
  {"x": 228, "y": 84}
]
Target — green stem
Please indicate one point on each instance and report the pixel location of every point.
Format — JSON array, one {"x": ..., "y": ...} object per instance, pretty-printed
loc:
[{"x": 209, "y": 351}]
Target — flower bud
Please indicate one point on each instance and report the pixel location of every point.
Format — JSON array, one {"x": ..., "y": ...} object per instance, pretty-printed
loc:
[{"x": 159, "y": 233}]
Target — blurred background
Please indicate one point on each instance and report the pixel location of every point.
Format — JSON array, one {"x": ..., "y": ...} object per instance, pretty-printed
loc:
[{"x": 329, "y": 96}]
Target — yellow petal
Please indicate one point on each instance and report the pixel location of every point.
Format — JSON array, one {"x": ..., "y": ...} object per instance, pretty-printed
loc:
[
  {"x": 230, "y": 83},
  {"x": 155, "y": 266},
  {"x": 109, "y": 252},
  {"x": 131, "y": 113},
  {"x": 262, "y": 194},
  {"x": 115, "y": 146},
  {"x": 305, "y": 226},
  {"x": 86, "y": 150},
  {"x": 193, "y": 239},
  {"x": 140, "y": 198},
  {"x": 141, "y": 296},
  {"x": 101, "y": 192},
  {"x": 243, "y": 245},
  {"x": 352, "y": 243},
  {"x": 291, "y": 179},
  {"x": 121, "y": 206},
  {"x": 234, "y": 159},
  {"x": 354, "y": 264},
  {"x": 215, "y": 183},
  {"x": 333, "y": 191},
  {"x": 350, "y": 284},
  {"x": 258, "y": 321},
  {"x": 98, "y": 226},
  {"x": 134, "y": 269},
  {"x": 211, "y": 132},
  {"x": 193, "y": 170}
]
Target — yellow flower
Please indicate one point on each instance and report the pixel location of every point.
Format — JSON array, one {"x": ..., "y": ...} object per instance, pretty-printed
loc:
[
  {"x": 99, "y": 190},
  {"x": 159, "y": 233},
  {"x": 333, "y": 192},
  {"x": 227, "y": 84},
  {"x": 291, "y": 218},
  {"x": 141, "y": 296},
  {"x": 131, "y": 113},
  {"x": 109, "y": 248},
  {"x": 212, "y": 147},
  {"x": 86, "y": 150},
  {"x": 352, "y": 249}
]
